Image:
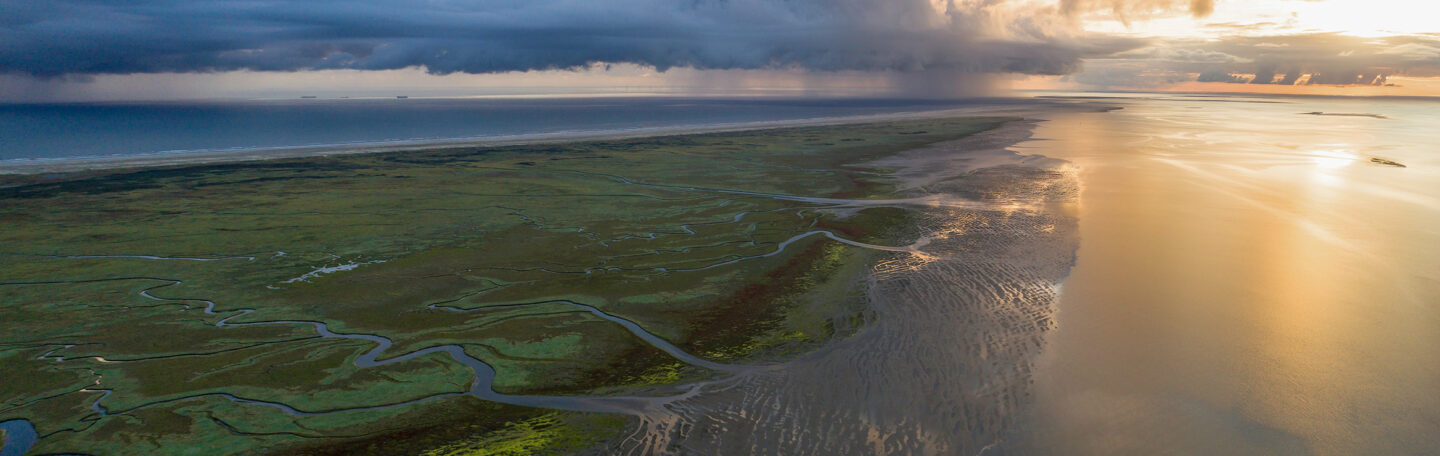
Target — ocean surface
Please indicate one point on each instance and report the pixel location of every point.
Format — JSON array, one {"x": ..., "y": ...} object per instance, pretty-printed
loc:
[
  {"x": 50, "y": 131},
  {"x": 1252, "y": 278}
]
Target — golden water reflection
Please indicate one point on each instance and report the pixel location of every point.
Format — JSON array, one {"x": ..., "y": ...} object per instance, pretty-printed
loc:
[{"x": 1248, "y": 282}]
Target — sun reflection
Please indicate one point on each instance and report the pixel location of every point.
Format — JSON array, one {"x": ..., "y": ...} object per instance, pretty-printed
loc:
[
  {"x": 1331, "y": 159},
  {"x": 1327, "y": 179}
]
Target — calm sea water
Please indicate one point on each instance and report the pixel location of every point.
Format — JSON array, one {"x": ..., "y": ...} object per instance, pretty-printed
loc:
[
  {"x": 85, "y": 130},
  {"x": 1248, "y": 281}
]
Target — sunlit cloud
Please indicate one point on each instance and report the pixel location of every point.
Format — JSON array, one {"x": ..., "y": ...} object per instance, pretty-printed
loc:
[{"x": 97, "y": 49}]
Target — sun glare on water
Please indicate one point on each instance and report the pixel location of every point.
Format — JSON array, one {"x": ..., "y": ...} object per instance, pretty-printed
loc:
[{"x": 1332, "y": 158}]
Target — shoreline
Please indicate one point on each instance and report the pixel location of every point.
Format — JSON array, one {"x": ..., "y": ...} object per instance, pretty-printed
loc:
[
  {"x": 973, "y": 278},
  {"x": 504, "y": 227},
  {"x": 25, "y": 166}
]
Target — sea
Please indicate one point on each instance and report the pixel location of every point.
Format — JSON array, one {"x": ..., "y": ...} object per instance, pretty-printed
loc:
[
  {"x": 81, "y": 130},
  {"x": 1255, "y": 275}
]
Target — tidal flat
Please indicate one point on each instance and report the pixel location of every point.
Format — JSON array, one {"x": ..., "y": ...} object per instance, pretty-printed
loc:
[{"x": 493, "y": 300}]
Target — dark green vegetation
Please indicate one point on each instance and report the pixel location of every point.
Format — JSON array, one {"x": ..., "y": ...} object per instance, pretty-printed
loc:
[{"x": 370, "y": 244}]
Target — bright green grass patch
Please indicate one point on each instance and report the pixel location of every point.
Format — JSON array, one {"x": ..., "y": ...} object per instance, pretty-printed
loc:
[{"x": 548, "y": 434}]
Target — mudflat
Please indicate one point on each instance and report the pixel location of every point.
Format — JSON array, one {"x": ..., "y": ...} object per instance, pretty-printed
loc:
[{"x": 538, "y": 298}]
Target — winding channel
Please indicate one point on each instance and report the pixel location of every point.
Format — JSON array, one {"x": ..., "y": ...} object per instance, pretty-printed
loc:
[
  {"x": 931, "y": 200},
  {"x": 20, "y": 434},
  {"x": 481, "y": 387}
]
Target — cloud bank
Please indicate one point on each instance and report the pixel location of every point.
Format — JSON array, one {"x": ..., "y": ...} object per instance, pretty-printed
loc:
[
  {"x": 1297, "y": 59},
  {"x": 1331, "y": 58},
  {"x": 50, "y": 38}
]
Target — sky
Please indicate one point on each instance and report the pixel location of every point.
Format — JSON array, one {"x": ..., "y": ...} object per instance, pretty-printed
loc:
[{"x": 69, "y": 50}]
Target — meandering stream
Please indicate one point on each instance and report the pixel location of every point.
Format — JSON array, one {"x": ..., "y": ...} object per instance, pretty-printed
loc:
[
  {"x": 968, "y": 303},
  {"x": 482, "y": 386}
]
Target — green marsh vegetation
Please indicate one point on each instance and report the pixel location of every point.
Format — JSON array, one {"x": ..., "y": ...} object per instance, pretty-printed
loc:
[{"x": 106, "y": 274}]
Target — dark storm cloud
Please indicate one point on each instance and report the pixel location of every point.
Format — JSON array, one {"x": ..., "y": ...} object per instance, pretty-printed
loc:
[{"x": 82, "y": 37}]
